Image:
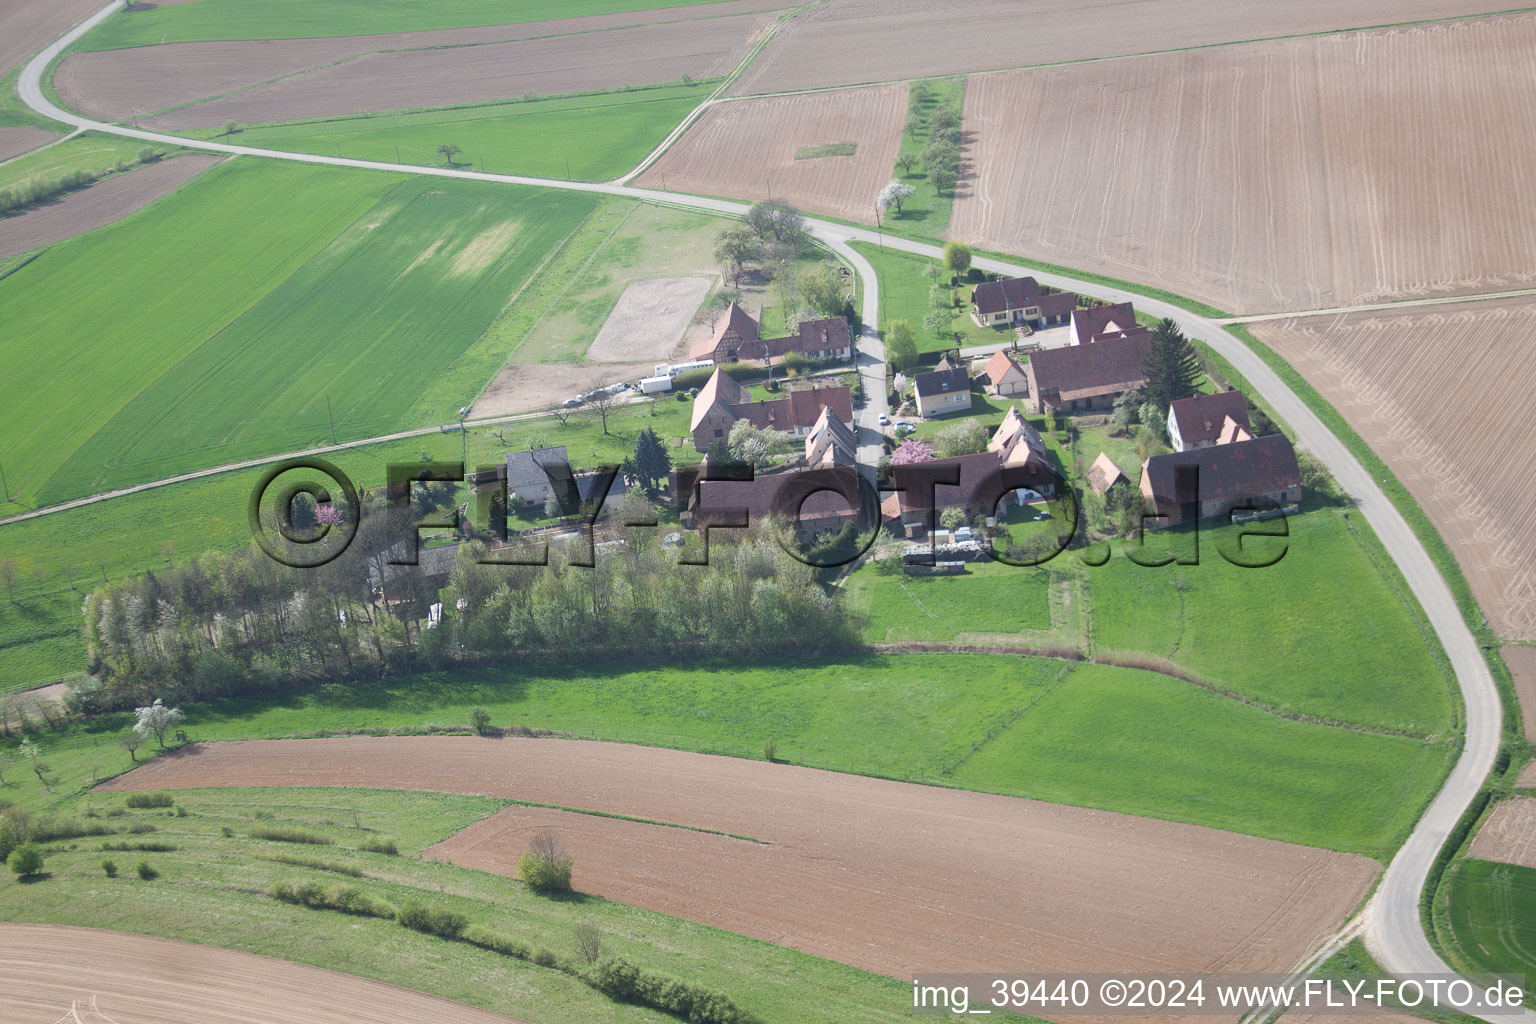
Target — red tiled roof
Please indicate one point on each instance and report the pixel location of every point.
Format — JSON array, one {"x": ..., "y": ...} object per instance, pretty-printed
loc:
[
  {"x": 1019, "y": 293},
  {"x": 999, "y": 365},
  {"x": 1227, "y": 472},
  {"x": 1097, "y": 320},
  {"x": 1200, "y": 417},
  {"x": 735, "y": 321},
  {"x": 1104, "y": 474},
  {"x": 1102, "y": 367}
]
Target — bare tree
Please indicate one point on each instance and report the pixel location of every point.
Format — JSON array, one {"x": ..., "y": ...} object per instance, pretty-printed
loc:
[
  {"x": 448, "y": 151},
  {"x": 547, "y": 847},
  {"x": 601, "y": 403},
  {"x": 131, "y": 743},
  {"x": 561, "y": 414}
]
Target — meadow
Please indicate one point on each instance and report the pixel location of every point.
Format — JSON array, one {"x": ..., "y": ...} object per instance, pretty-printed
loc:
[
  {"x": 925, "y": 214},
  {"x": 1091, "y": 735},
  {"x": 212, "y": 890},
  {"x": 297, "y": 19},
  {"x": 904, "y": 295},
  {"x": 91, "y": 152},
  {"x": 344, "y": 340},
  {"x": 582, "y": 138},
  {"x": 990, "y": 598},
  {"x": 1490, "y": 919},
  {"x": 93, "y": 322}
]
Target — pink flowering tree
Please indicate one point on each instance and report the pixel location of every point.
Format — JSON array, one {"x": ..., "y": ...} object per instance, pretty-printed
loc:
[
  {"x": 328, "y": 515},
  {"x": 911, "y": 451}
]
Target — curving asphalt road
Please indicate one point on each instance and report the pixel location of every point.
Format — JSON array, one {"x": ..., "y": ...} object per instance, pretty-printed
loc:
[{"x": 1392, "y": 926}]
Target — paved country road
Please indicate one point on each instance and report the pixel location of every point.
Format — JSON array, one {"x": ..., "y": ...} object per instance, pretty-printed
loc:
[{"x": 1392, "y": 926}]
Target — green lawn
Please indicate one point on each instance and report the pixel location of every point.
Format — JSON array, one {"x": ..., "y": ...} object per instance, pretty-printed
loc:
[
  {"x": 205, "y": 20},
  {"x": 585, "y": 138},
  {"x": 926, "y": 213},
  {"x": 212, "y": 890},
  {"x": 991, "y": 598},
  {"x": 1492, "y": 919},
  {"x": 1123, "y": 739},
  {"x": 904, "y": 295},
  {"x": 288, "y": 321},
  {"x": 1327, "y": 631}
]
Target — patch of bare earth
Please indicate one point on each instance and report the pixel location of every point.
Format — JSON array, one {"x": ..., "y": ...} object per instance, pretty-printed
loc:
[
  {"x": 1509, "y": 834},
  {"x": 529, "y": 387},
  {"x": 883, "y": 875},
  {"x": 57, "y": 974},
  {"x": 897, "y": 39},
  {"x": 26, "y": 26},
  {"x": 746, "y": 149},
  {"x": 649, "y": 319},
  {"x": 565, "y": 55},
  {"x": 1294, "y": 174},
  {"x": 17, "y": 140},
  {"x": 1439, "y": 395},
  {"x": 1521, "y": 662},
  {"x": 99, "y": 204}
]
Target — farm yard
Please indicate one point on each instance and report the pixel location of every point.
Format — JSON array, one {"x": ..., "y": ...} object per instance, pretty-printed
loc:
[
  {"x": 100, "y": 204},
  {"x": 1427, "y": 390},
  {"x": 826, "y": 831},
  {"x": 745, "y": 149},
  {"x": 1203, "y": 172},
  {"x": 924, "y": 38}
]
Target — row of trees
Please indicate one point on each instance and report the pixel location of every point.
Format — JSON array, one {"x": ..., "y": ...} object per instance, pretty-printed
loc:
[
  {"x": 224, "y": 624},
  {"x": 34, "y": 191},
  {"x": 940, "y": 156}
]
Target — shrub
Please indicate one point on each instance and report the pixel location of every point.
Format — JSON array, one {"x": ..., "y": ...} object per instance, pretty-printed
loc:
[
  {"x": 495, "y": 942},
  {"x": 226, "y": 832},
  {"x": 144, "y": 847},
  {"x": 620, "y": 979},
  {"x": 140, "y": 828},
  {"x": 546, "y": 957},
  {"x": 545, "y": 867},
  {"x": 770, "y": 749},
  {"x": 110, "y": 868},
  {"x": 480, "y": 721},
  {"x": 432, "y": 921},
  {"x": 589, "y": 940},
  {"x": 352, "y": 900},
  {"x": 149, "y": 800},
  {"x": 146, "y": 872},
  {"x": 384, "y": 846},
  {"x": 25, "y": 860},
  {"x": 290, "y": 834},
  {"x": 315, "y": 864},
  {"x": 181, "y": 812}
]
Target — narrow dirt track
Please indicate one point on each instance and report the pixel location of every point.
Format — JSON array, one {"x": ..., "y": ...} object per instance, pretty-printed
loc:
[
  {"x": 55, "y": 974},
  {"x": 887, "y": 876}
]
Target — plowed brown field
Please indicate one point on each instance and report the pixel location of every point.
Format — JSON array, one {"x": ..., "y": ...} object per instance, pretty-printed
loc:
[
  {"x": 55, "y": 974},
  {"x": 883, "y": 875},
  {"x": 918, "y": 38},
  {"x": 1296, "y": 174},
  {"x": 1522, "y": 667},
  {"x": 17, "y": 140},
  {"x": 26, "y": 26},
  {"x": 100, "y": 204},
  {"x": 1509, "y": 834},
  {"x": 746, "y": 149},
  {"x": 1441, "y": 396},
  {"x": 442, "y": 67}
]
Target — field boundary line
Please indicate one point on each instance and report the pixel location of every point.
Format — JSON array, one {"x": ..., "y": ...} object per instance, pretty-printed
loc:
[{"x": 1373, "y": 307}]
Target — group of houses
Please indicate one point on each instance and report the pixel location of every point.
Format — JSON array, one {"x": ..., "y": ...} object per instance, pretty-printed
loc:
[
  {"x": 722, "y": 403},
  {"x": 735, "y": 340}
]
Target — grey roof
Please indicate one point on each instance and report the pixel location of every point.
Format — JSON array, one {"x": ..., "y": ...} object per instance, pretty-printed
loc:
[
  {"x": 527, "y": 469},
  {"x": 941, "y": 382}
]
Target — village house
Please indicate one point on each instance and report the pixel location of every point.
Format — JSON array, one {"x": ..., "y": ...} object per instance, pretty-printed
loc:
[
  {"x": 1012, "y": 471},
  {"x": 722, "y": 402},
  {"x": 816, "y": 502},
  {"x": 532, "y": 474},
  {"x": 1084, "y": 378},
  {"x": 1019, "y": 300},
  {"x": 1203, "y": 483},
  {"x": 942, "y": 391},
  {"x": 1199, "y": 422},
  {"x": 1005, "y": 377},
  {"x": 1101, "y": 323},
  {"x": 831, "y": 442},
  {"x": 735, "y": 340}
]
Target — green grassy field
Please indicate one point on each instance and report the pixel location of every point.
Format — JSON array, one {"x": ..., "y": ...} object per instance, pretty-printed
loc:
[
  {"x": 296, "y": 19},
  {"x": 211, "y": 890},
  {"x": 235, "y": 356},
  {"x": 904, "y": 295},
  {"x": 1492, "y": 919},
  {"x": 1091, "y": 735},
  {"x": 584, "y": 138},
  {"x": 989, "y": 598},
  {"x": 91, "y": 152},
  {"x": 1120, "y": 738}
]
